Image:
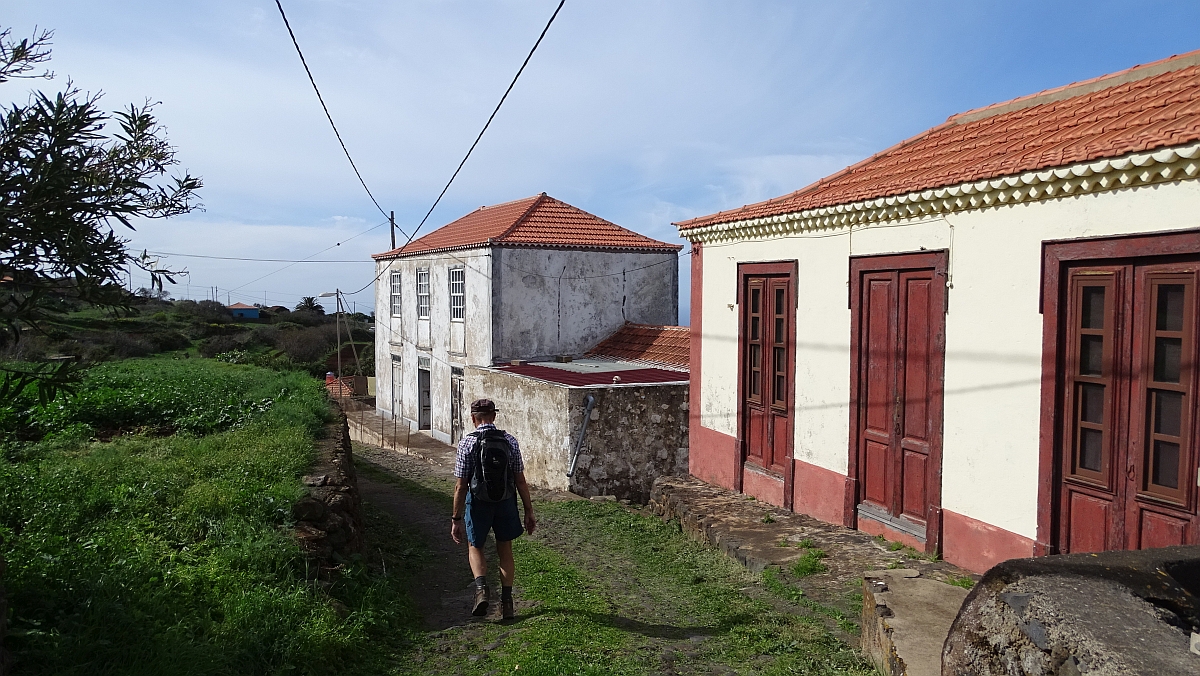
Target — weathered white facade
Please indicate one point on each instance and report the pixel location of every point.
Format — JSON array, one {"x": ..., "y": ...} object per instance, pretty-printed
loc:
[
  {"x": 999, "y": 461},
  {"x": 518, "y": 302},
  {"x": 993, "y": 369}
]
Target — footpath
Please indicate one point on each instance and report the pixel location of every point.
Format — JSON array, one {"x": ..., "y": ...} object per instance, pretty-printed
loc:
[{"x": 903, "y": 600}]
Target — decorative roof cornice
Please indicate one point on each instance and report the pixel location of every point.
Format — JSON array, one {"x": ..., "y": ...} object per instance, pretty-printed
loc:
[{"x": 1128, "y": 171}]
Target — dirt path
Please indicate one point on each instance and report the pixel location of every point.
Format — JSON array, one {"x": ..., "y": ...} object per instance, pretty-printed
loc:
[{"x": 609, "y": 589}]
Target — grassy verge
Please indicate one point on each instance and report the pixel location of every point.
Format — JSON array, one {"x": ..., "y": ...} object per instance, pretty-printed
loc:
[
  {"x": 173, "y": 554},
  {"x": 620, "y": 592}
]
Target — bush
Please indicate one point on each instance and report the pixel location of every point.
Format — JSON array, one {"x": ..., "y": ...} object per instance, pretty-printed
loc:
[{"x": 194, "y": 396}]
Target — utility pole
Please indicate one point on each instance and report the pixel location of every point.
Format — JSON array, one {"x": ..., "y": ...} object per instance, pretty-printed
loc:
[{"x": 392, "y": 222}]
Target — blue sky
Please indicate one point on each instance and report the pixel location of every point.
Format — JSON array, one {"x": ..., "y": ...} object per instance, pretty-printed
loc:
[{"x": 641, "y": 112}]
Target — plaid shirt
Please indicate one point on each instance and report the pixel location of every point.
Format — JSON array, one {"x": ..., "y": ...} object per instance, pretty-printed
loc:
[{"x": 464, "y": 460}]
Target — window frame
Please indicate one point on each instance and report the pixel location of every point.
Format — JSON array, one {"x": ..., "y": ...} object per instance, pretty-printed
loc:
[
  {"x": 423, "y": 297},
  {"x": 458, "y": 310},
  {"x": 396, "y": 297}
]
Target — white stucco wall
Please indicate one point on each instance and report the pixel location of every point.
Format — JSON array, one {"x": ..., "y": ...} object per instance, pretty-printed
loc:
[
  {"x": 993, "y": 333},
  {"x": 516, "y": 308},
  {"x": 554, "y": 301},
  {"x": 436, "y": 337}
]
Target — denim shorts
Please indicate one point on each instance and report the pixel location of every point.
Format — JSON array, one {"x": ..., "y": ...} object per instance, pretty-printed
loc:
[{"x": 502, "y": 518}]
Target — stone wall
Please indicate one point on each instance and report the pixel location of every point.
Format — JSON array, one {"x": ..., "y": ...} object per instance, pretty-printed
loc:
[
  {"x": 4, "y": 658},
  {"x": 635, "y": 434},
  {"x": 329, "y": 515}
]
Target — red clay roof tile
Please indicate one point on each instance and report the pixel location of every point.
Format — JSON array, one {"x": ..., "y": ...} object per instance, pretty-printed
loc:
[
  {"x": 664, "y": 345},
  {"x": 1146, "y": 107},
  {"x": 574, "y": 379},
  {"x": 540, "y": 220}
]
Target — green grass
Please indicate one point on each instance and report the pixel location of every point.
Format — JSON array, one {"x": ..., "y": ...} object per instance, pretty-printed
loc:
[
  {"x": 964, "y": 581},
  {"x": 809, "y": 563},
  {"x": 173, "y": 554},
  {"x": 664, "y": 591},
  {"x": 194, "y": 396}
]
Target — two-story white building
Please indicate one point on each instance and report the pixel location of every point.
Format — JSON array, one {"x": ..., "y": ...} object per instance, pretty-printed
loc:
[{"x": 532, "y": 279}]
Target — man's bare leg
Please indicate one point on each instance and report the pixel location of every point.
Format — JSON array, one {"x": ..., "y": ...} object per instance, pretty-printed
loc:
[
  {"x": 479, "y": 561},
  {"x": 507, "y": 565}
]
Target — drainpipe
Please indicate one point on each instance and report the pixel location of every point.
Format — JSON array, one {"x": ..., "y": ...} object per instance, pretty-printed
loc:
[{"x": 588, "y": 403}]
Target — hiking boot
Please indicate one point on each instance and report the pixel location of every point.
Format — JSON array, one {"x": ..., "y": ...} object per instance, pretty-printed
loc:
[
  {"x": 482, "y": 596},
  {"x": 508, "y": 608}
]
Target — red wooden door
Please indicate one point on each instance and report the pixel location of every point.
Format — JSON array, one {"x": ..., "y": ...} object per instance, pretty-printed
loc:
[
  {"x": 900, "y": 331},
  {"x": 1129, "y": 466},
  {"x": 768, "y": 337}
]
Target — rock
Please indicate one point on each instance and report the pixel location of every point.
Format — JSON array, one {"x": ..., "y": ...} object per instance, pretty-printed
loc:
[
  {"x": 309, "y": 509},
  {"x": 1127, "y": 612}
]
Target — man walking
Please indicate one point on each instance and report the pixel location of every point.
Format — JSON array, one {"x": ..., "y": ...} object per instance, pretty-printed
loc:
[{"x": 490, "y": 474}]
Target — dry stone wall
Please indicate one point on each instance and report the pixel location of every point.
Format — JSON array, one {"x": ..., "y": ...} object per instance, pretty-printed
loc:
[
  {"x": 328, "y": 516},
  {"x": 635, "y": 435}
]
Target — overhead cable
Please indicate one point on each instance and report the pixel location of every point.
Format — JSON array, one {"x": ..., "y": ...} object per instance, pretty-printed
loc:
[
  {"x": 477, "y": 138},
  {"x": 320, "y": 98}
]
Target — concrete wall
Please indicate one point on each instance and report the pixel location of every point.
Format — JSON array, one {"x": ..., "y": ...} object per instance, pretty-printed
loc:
[
  {"x": 993, "y": 334},
  {"x": 551, "y": 301},
  {"x": 635, "y": 434}
]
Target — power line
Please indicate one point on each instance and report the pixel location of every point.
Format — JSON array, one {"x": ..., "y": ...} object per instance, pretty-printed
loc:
[
  {"x": 254, "y": 260},
  {"x": 320, "y": 98},
  {"x": 477, "y": 138},
  {"x": 335, "y": 244}
]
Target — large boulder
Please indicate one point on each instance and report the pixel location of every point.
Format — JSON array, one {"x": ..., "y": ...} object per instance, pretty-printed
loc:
[{"x": 1111, "y": 613}]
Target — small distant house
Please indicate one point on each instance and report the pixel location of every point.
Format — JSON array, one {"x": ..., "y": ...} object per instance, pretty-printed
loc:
[
  {"x": 607, "y": 423},
  {"x": 531, "y": 279},
  {"x": 982, "y": 341},
  {"x": 243, "y": 311}
]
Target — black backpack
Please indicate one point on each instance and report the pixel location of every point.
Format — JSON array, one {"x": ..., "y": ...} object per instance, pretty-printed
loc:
[{"x": 492, "y": 481}]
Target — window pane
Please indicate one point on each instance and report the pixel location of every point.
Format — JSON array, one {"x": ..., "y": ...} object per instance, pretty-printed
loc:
[
  {"x": 779, "y": 330},
  {"x": 1093, "y": 307},
  {"x": 780, "y": 364},
  {"x": 1168, "y": 412},
  {"x": 1091, "y": 355},
  {"x": 780, "y": 388},
  {"x": 754, "y": 326},
  {"x": 1091, "y": 403},
  {"x": 1166, "y": 464},
  {"x": 1091, "y": 445},
  {"x": 778, "y": 301},
  {"x": 1166, "y": 359},
  {"x": 1170, "y": 307},
  {"x": 754, "y": 300},
  {"x": 755, "y": 356}
]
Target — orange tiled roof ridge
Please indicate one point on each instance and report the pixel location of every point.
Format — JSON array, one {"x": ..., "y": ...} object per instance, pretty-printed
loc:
[
  {"x": 539, "y": 221},
  {"x": 1146, "y": 107},
  {"x": 665, "y": 345}
]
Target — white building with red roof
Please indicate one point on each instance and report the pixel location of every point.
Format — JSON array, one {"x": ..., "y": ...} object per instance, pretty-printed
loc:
[
  {"x": 981, "y": 341},
  {"x": 525, "y": 280}
]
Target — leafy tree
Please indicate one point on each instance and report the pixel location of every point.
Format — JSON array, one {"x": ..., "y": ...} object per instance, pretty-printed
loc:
[
  {"x": 310, "y": 304},
  {"x": 70, "y": 176}
]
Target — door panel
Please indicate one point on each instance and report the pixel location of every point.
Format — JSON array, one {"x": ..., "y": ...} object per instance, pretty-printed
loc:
[
  {"x": 914, "y": 500},
  {"x": 1090, "y": 522},
  {"x": 1128, "y": 383},
  {"x": 1161, "y": 530},
  {"x": 768, "y": 367},
  {"x": 898, "y": 311}
]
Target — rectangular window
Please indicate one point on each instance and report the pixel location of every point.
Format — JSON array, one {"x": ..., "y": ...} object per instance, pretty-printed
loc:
[
  {"x": 1091, "y": 317},
  {"x": 397, "y": 288},
  {"x": 423, "y": 294},
  {"x": 458, "y": 293},
  {"x": 1168, "y": 336}
]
